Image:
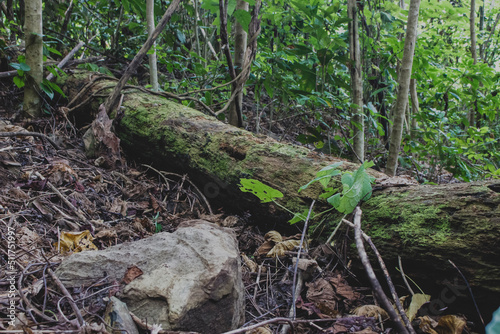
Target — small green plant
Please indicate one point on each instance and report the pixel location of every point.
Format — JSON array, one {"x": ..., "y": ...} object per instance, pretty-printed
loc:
[
  {"x": 356, "y": 187},
  {"x": 157, "y": 225}
]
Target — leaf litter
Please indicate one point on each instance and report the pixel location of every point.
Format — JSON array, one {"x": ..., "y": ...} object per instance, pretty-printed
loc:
[{"x": 60, "y": 201}]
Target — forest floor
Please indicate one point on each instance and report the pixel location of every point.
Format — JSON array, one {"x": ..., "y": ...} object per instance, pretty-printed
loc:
[{"x": 53, "y": 194}]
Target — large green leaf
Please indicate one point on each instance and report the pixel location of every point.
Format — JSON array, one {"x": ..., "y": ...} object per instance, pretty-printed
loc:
[
  {"x": 357, "y": 187},
  {"x": 243, "y": 17},
  {"x": 264, "y": 192}
]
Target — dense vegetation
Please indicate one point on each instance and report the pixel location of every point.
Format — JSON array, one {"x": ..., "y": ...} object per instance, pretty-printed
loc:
[{"x": 301, "y": 71}]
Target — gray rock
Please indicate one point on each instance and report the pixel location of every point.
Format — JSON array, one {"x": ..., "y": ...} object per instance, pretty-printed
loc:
[
  {"x": 191, "y": 278},
  {"x": 118, "y": 317}
]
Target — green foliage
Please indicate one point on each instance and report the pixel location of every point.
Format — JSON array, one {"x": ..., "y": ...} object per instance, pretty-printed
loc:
[
  {"x": 356, "y": 187},
  {"x": 264, "y": 192}
]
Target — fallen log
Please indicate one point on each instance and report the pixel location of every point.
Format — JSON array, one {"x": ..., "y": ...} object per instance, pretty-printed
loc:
[{"x": 425, "y": 225}]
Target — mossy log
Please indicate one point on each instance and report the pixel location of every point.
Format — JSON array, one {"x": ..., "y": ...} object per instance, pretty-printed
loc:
[{"x": 425, "y": 225}]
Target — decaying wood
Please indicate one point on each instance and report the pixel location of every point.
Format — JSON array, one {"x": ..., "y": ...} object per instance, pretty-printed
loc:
[{"x": 425, "y": 225}]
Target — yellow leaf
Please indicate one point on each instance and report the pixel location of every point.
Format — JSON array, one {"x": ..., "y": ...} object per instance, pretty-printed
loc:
[{"x": 75, "y": 242}]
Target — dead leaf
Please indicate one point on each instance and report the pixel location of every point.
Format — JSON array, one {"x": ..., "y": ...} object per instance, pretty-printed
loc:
[
  {"x": 280, "y": 248},
  {"x": 273, "y": 236},
  {"x": 260, "y": 330},
  {"x": 131, "y": 274},
  {"x": 251, "y": 265},
  {"x": 307, "y": 266},
  {"x": 417, "y": 300},
  {"x": 321, "y": 293},
  {"x": 343, "y": 289},
  {"x": 450, "y": 324},
  {"x": 371, "y": 311},
  {"x": 75, "y": 242}
]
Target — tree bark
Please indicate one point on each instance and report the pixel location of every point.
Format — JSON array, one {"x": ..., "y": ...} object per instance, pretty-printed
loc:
[
  {"x": 153, "y": 70},
  {"x": 32, "y": 103},
  {"x": 473, "y": 50},
  {"x": 356, "y": 83},
  {"x": 426, "y": 225},
  {"x": 403, "y": 83},
  {"x": 240, "y": 46}
]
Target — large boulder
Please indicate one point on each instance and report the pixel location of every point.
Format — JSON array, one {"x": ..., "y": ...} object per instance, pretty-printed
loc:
[{"x": 191, "y": 278}]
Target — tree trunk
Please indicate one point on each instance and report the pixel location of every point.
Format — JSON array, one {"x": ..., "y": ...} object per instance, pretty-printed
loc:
[
  {"x": 356, "y": 83},
  {"x": 112, "y": 100},
  {"x": 240, "y": 46},
  {"x": 426, "y": 225},
  {"x": 473, "y": 50},
  {"x": 403, "y": 83},
  {"x": 153, "y": 71},
  {"x": 32, "y": 103}
]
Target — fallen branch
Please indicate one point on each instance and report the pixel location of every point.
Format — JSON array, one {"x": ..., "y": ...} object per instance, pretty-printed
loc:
[
  {"x": 65, "y": 60},
  {"x": 371, "y": 274},
  {"x": 66, "y": 293},
  {"x": 30, "y": 134}
]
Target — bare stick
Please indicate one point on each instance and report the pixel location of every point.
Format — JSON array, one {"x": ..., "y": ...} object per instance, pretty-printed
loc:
[
  {"x": 371, "y": 274},
  {"x": 30, "y": 134},
  {"x": 70, "y": 55},
  {"x": 470, "y": 291},
  {"x": 68, "y": 295},
  {"x": 404, "y": 276},
  {"x": 113, "y": 98}
]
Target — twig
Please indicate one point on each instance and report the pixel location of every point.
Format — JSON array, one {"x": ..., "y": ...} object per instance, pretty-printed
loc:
[
  {"x": 190, "y": 182},
  {"x": 260, "y": 324},
  {"x": 381, "y": 262},
  {"x": 298, "y": 258},
  {"x": 65, "y": 200},
  {"x": 371, "y": 274},
  {"x": 30, "y": 134},
  {"x": 70, "y": 55},
  {"x": 404, "y": 276},
  {"x": 470, "y": 291},
  {"x": 66, "y": 293},
  {"x": 28, "y": 304}
]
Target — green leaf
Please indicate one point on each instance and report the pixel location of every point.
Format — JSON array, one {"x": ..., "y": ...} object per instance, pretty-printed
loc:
[
  {"x": 259, "y": 189},
  {"x": 47, "y": 90},
  {"x": 324, "y": 175},
  {"x": 357, "y": 187},
  {"x": 243, "y": 17},
  {"x": 21, "y": 66},
  {"x": 18, "y": 82}
]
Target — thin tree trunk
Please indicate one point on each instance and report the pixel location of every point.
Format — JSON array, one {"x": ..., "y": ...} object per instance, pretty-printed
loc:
[
  {"x": 32, "y": 104},
  {"x": 153, "y": 70},
  {"x": 404, "y": 84},
  {"x": 473, "y": 51},
  {"x": 356, "y": 83},
  {"x": 240, "y": 45},
  {"x": 112, "y": 100},
  {"x": 415, "y": 106},
  {"x": 67, "y": 16}
]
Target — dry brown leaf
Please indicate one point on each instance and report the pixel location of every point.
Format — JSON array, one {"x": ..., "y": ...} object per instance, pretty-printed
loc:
[
  {"x": 75, "y": 242},
  {"x": 417, "y": 300},
  {"x": 343, "y": 289},
  {"x": 131, "y": 274},
  {"x": 280, "y": 248},
  {"x": 450, "y": 324},
  {"x": 260, "y": 330},
  {"x": 264, "y": 248},
  {"x": 371, "y": 311},
  {"x": 427, "y": 325},
  {"x": 273, "y": 236},
  {"x": 308, "y": 266},
  {"x": 251, "y": 265},
  {"x": 321, "y": 293}
]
